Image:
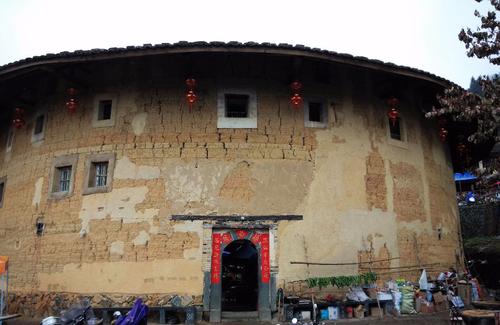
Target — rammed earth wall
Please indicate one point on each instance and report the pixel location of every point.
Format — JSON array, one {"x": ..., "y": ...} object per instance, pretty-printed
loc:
[{"x": 362, "y": 195}]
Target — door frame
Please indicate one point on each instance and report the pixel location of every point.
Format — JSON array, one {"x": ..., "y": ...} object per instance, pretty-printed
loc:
[{"x": 220, "y": 238}]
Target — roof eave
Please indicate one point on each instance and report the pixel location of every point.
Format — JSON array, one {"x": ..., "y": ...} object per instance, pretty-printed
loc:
[{"x": 25, "y": 66}]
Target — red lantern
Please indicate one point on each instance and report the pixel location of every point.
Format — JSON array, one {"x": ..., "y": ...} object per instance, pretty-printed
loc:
[
  {"x": 443, "y": 133},
  {"x": 393, "y": 115},
  {"x": 393, "y": 112},
  {"x": 296, "y": 98},
  {"x": 191, "y": 95},
  {"x": 18, "y": 120},
  {"x": 71, "y": 103}
]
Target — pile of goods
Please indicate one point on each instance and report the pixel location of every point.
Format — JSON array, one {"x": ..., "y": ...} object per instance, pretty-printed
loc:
[{"x": 362, "y": 298}]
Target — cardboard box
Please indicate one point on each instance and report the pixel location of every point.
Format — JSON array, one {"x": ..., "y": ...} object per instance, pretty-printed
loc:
[
  {"x": 375, "y": 311},
  {"x": 371, "y": 292},
  {"x": 359, "y": 312},
  {"x": 440, "y": 302},
  {"x": 442, "y": 306},
  {"x": 438, "y": 297},
  {"x": 427, "y": 308}
]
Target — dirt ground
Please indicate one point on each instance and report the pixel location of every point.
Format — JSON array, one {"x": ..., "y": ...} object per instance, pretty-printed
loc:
[{"x": 428, "y": 319}]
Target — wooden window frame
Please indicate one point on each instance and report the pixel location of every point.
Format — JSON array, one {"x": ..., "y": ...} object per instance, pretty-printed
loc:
[
  {"x": 97, "y": 158},
  {"x": 59, "y": 162}
]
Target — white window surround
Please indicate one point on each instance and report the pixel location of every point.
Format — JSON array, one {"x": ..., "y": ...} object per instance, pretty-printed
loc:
[
  {"x": 95, "y": 117},
  {"x": 38, "y": 137},
  {"x": 249, "y": 122},
  {"x": 10, "y": 139},
  {"x": 403, "y": 143},
  {"x": 324, "y": 116}
]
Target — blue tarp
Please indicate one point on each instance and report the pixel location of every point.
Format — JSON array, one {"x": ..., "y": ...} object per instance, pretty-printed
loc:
[{"x": 464, "y": 176}]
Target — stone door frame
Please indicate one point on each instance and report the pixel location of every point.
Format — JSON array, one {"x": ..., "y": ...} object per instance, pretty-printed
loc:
[{"x": 220, "y": 237}]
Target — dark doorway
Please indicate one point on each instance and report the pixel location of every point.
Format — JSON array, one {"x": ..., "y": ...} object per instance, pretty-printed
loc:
[{"x": 240, "y": 276}]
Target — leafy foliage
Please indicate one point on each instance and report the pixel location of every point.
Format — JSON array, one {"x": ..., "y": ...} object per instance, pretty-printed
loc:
[
  {"x": 485, "y": 41},
  {"x": 481, "y": 108},
  {"x": 484, "y": 245},
  {"x": 342, "y": 281}
]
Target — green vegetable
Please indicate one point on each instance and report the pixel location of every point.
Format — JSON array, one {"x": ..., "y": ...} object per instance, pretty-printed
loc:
[{"x": 342, "y": 280}]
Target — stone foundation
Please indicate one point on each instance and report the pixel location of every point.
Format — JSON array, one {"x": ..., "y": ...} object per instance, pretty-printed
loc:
[{"x": 43, "y": 304}]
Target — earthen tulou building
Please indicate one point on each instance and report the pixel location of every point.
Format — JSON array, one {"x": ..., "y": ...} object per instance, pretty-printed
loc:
[{"x": 175, "y": 168}]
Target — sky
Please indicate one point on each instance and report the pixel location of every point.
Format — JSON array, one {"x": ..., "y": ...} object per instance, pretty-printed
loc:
[{"x": 417, "y": 33}]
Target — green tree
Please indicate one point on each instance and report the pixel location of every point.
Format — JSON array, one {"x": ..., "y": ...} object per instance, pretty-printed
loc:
[{"x": 483, "y": 108}]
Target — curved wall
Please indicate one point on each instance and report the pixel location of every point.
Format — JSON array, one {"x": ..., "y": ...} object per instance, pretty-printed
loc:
[{"x": 362, "y": 195}]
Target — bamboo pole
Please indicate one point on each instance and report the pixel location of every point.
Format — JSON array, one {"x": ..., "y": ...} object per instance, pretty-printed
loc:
[
  {"x": 400, "y": 267},
  {"x": 408, "y": 271},
  {"x": 347, "y": 263}
]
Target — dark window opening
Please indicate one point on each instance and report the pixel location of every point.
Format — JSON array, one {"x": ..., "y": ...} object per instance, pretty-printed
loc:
[
  {"x": 40, "y": 226},
  {"x": 2, "y": 189},
  {"x": 105, "y": 107},
  {"x": 395, "y": 129},
  {"x": 98, "y": 176},
  {"x": 236, "y": 105},
  {"x": 39, "y": 124},
  {"x": 240, "y": 276},
  {"x": 315, "y": 112},
  {"x": 62, "y": 179}
]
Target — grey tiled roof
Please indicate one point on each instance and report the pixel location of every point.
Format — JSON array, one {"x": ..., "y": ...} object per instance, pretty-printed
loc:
[{"x": 146, "y": 49}]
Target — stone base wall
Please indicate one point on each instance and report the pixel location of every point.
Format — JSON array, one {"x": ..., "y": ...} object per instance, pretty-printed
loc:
[{"x": 43, "y": 304}]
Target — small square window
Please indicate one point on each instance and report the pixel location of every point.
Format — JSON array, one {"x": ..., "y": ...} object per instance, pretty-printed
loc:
[
  {"x": 396, "y": 132},
  {"x": 3, "y": 181},
  {"x": 39, "y": 127},
  {"x": 99, "y": 173},
  {"x": 39, "y": 124},
  {"x": 104, "y": 110},
  {"x": 236, "y": 105},
  {"x": 315, "y": 114},
  {"x": 395, "y": 129},
  {"x": 236, "y": 108},
  {"x": 105, "y": 107}
]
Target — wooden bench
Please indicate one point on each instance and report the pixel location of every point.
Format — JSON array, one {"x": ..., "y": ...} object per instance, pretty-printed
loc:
[{"x": 190, "y": 313}]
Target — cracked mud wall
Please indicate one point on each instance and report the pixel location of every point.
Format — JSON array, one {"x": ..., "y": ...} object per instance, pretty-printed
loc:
[{"x": 351, "y": 184}]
